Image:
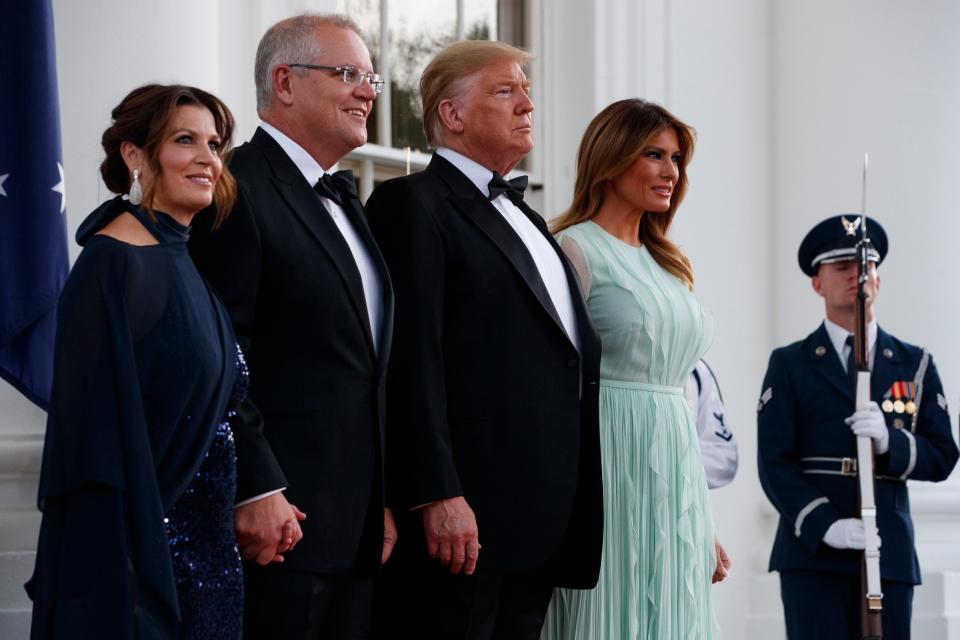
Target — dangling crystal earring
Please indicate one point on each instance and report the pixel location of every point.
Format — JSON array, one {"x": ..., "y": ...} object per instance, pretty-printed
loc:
[{"x": 136, "y": 191}]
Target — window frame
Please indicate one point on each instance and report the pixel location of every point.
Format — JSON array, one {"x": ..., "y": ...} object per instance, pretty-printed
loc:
[{"x": 378, "y": 160}]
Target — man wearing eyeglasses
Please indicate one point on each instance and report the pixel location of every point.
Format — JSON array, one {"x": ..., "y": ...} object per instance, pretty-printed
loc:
[{"x": 312, "y": 306}]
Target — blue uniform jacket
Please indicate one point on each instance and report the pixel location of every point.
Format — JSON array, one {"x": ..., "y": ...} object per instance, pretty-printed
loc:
[{"x": 805, "y": 397}]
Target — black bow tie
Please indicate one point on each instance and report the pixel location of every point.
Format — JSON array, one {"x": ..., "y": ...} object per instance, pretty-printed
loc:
[
  {"x": 513, "y": 189},
  {"x": 338, "y": 186}
]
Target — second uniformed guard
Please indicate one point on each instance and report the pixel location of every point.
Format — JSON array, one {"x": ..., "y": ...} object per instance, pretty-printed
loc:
[
  {"x": 807, "y": 428},
  {"x": 718, "y": 447}
]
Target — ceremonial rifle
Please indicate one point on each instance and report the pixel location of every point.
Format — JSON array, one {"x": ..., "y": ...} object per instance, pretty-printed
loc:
[{"x": 871, "y": 601}]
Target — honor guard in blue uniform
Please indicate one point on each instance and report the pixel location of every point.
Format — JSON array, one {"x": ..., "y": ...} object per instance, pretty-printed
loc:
[{"x": 807, "y": 428}]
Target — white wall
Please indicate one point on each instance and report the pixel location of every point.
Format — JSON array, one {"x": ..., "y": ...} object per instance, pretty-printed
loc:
[
  {"x": 717, "y": 81},
  {"x": 102, "y": 55},
  {"x": 786, "y": 97},
  {"x": 876, "y": 76}
]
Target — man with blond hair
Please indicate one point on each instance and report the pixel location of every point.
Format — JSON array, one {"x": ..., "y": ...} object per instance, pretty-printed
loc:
[
  {"x": 492, "y": 436},
  {"x": 312, "y": 305}
]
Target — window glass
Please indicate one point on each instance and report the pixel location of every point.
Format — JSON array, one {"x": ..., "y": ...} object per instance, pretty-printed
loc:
[
  {"x": 418, "y": 29},
  {"x": 480, "y": 20}
]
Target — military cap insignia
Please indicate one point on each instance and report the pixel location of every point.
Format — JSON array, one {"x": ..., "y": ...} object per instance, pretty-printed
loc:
[
  {"x": 765, "y": 398},
  {"x": 835, "y": 240},
  {"x": 850, "y": 226}
]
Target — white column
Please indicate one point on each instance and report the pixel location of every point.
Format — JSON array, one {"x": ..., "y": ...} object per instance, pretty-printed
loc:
[
  {"x": 718, "y": 64},
  {"x": 383, "y": 110},
  {"x": 21, "y": 440},
  {"x": 564, "y": 95},
  {"x": 592, "y": 54}
]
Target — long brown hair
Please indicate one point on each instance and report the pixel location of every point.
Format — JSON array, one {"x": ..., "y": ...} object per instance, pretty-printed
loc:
[
  {"x": 142, "y": 118},
  {"x": 611, "y": 143}
]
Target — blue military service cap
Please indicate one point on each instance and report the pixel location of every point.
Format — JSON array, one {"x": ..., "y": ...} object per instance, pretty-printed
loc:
[{"x": 835, "y": 239}]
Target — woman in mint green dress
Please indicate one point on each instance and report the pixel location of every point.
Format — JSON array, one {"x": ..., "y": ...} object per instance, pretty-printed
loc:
[{"x": 659, "y": 554}]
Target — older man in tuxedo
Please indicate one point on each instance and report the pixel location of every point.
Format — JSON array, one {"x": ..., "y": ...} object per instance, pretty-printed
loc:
[
  {"x": 312, "y": 306},
  {"x": 492, "y": 432}
]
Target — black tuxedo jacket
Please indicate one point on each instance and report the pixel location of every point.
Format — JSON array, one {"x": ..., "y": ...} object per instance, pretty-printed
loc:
[
  {"x": 314, "y": 419},
  {"x": 488, "y": 396}
]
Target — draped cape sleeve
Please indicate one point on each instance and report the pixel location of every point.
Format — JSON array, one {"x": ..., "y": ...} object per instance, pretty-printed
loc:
[{"x": 143, "y": 373}]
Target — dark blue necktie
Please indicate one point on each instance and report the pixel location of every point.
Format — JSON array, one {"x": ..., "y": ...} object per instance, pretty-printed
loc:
[
  {"x": 513, "y": 189},
  {"x": 852, "y": 363},
  {"x": 338, "y": 186}
]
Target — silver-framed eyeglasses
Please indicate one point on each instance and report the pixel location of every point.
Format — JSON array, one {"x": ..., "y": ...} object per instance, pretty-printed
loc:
[{"x": 350, "y": 75}]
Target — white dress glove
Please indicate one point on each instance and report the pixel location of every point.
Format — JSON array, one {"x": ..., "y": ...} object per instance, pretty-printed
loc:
[
  {"x": 869, "y": 423},
  {"x": 847, "y": 533}
]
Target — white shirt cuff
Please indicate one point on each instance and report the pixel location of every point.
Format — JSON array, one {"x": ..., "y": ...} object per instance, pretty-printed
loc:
[{"x": 259, "y": 497}]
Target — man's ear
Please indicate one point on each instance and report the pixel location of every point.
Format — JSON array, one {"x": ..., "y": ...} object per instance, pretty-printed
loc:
[
  {"x": 817, "y": 285},
  {"x": 281, "y": 80},
  {"x": 451, "y": 115}
]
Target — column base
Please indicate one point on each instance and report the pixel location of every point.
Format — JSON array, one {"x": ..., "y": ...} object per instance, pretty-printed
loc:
[{"x": 936, "y": 614}]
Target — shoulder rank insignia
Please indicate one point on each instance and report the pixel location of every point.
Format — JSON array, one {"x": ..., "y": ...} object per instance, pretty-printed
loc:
[{"x": 765, "y": 398}]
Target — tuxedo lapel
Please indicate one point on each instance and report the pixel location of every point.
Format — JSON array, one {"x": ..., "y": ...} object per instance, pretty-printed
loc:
[
  {"x": 468, "y": 200},
  {"x": 485, "y": 216},
  {"x": 307, "y": 206},
  {"x": 358, "y": 219},
  {"x": 589, "y": 342},
  {"x": 826, "y": 361}
]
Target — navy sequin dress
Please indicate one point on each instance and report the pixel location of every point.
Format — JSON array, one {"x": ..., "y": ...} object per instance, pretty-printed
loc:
[
  {"x": 206, "y": 563},
  {"x": 139, "y": 471}
]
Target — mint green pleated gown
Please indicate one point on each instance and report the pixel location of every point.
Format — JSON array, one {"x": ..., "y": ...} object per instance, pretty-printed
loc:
[{"x": 658, "y": 541}]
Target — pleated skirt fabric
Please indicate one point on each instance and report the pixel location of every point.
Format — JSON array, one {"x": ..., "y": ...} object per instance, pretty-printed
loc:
[{"x": 658, "y": 552}]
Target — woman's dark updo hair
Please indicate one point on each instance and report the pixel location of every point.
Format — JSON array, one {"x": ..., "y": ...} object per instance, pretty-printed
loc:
[{"x": 142, "y": 118}]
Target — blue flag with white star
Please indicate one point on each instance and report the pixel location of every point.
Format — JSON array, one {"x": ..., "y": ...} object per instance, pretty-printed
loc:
[{"x": 33, "y": 231}]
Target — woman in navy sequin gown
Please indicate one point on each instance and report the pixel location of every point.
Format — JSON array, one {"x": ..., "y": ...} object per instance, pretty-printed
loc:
[{"x": 139, "y": 471}]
